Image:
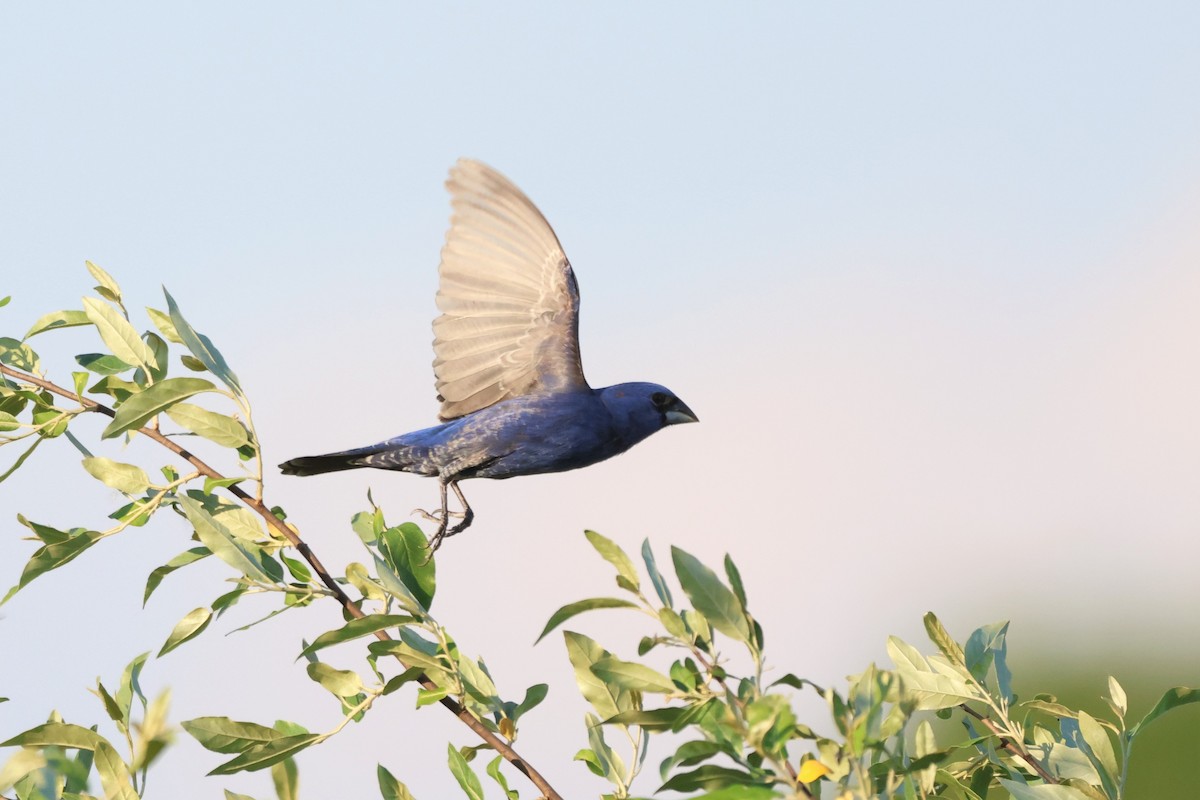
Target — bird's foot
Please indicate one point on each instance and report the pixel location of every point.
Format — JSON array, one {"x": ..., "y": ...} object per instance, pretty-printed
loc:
[
  {"x": 444, "y": 531},
  {"x": 436, "y": 541},
  {"x": 436, "y": 516}
]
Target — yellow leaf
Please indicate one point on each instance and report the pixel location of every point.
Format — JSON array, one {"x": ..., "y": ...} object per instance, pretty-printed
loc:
[
  {"x": 507, "y": 729},
  {"x": 811, "y": 770}
]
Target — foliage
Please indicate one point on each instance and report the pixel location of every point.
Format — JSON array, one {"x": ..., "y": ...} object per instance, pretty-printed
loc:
[{"x": 947, "y": 724}]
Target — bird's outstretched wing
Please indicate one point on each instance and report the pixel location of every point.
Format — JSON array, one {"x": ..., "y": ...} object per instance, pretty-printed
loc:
[{"x": 510, "y": 306}]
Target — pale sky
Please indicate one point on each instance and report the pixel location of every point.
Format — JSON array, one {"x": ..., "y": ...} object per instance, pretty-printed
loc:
[{"x": 930, "y": 277}]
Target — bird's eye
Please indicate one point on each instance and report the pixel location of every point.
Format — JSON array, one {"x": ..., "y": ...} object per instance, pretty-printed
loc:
[{"x": 660, "y": 400}]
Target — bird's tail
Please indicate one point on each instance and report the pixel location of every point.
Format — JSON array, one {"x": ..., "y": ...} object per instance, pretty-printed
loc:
[
  {"x": 395, "y": 453},
  {"x": 315, "y": 465}
]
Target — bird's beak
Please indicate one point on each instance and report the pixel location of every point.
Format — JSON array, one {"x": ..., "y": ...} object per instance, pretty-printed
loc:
[{"x": 680, "y": 413}]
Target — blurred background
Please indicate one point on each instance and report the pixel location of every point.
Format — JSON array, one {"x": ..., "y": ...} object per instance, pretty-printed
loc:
[{"x": 929, "y": 275}]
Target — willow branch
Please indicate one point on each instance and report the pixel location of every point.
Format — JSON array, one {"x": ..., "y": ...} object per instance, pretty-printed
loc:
[
  {"x": 1007, "y": 742},
  {"x": 288, "y": 532}
]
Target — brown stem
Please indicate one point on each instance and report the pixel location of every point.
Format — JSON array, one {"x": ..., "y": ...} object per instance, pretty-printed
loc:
[
  {"x": 285, "y": 530},
  {"x": 708, "y": 667},
  {"x": 1012, "y": 745}
]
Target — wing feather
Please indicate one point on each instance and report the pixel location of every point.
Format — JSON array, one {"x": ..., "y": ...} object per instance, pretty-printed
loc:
[{"x": 510, "y": 306}]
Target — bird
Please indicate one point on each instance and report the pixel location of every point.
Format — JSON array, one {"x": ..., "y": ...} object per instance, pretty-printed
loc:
[{"x": 509, "y": 379}]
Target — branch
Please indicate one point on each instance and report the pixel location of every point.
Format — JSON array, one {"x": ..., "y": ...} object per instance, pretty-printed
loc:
[
  {"x": 285, "y": 530},
  {"x": 1007, "y": 742}
]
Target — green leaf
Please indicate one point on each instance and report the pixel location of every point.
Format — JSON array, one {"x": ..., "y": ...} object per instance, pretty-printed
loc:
[
  {"x": 1099, "y": 748},
  {"x": 986, "y": 648},
  {"x": 630, "y": 675},
  {"x": 408, "y": 676},
  {"x": 919, "y": 683},
  {"x": 215, "y": 427},
  {"x": 203, "y": 349},
  {"x": 478, "y": 682},
  {"x": 58, "y": 319},
  {"x": 588, "y": 757},
  {"x": 21, "y": 459},
  {"x": 1044, "y": 791},
  {"x": 53, "y": 556},
  {"x": 125, "y": 478},
  {"x": 4, "y": 300},
  {"x": 735, "y": 581},
  {"x": 656, "y": 578},
  {"x": 654, "y": 719},
  {"x": 120, "y": 390},
  {"x": 367, "y": 526},
  {"x": 223, "y": 735},
  {"x": 408, "y": 655},
  {"x": 341, "y": 682},
  {"x": 56, "y": 734},
  {"x": 944, "y": 641},
  {"x": 427, "y": 697},
  {"x": 235, "y": 796},
  {"x": 533, "y": 696},
  {"x": 155, "y": 733},
  {"x": 117, "y": 333},
  {"x": 493, "y": 771},
  {"x": 710, "y": 597},
  {"x": 162, "y": 321},
  {"x": 8, "y": 422},
  {"x": 18, "y": 354},
  {"x": 53, "y": 420},
  {"x": 160, "y": 360},
  {"x": 114, "y": 774},
  {"x": 102, "y": 363},
  {"x": 407, "y": 554},
  {"x": 21, "y": 764},
  {"x": 140, "y": 408},
  {"x": 578, "y": 607},
  {"x": 188, "y": 628},
  {"x": 1173, "y": 698},
  {"x": 105, "y": 280},
  {"x": 608, "y": 700},
  {"x": 80, "y": 379},
  {"x": 390, "y": 788},
  {"x": 709, "y": 777},
  {"x": 931, "y": 691},
  {"x": 265, "y": 755},
  {"x": 221, "y": 483},
  {"x": 182, "y": 560},
  {"x": 298, "y": 569},
  {"x": 603, "y": 756},
  {"x": 229, "y": 599},
  {"x": 740, "y": 793},
  {"x": 1116, "y": 697},
  {"x": 614, "y": 555},
  {"x": 465, "y": 776},
  {"x": 689, "y": 754},
  {"x": 130, "y": 687},
  {"x": 224, "y": 534}
]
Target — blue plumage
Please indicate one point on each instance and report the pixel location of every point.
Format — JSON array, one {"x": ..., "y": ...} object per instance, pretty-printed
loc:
[{"x": 508, "y": 372}]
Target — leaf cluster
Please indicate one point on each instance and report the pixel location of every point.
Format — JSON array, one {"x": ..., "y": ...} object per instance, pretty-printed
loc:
[
  {"x": 947, "y": 724},
  {"x": 944, "y": 725}
]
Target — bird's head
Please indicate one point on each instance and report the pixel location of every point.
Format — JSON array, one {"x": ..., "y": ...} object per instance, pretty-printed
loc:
[{"x": 640, "y": 409}]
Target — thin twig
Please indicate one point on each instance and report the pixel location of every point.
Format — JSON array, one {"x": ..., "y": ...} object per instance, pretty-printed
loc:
[
  {"x": 260, "y": 508},
  {"x": 1007, "y": 742}
]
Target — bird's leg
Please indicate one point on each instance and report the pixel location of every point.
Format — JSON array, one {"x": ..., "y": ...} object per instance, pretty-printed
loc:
[
  {"x": 468, "y": 516},
  {"x": 443, "y": 519},
  {"x": 441, "y": 516}
]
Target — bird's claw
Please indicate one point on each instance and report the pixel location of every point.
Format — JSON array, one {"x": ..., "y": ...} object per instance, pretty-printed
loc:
[{"x": 436, "y": 516}]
